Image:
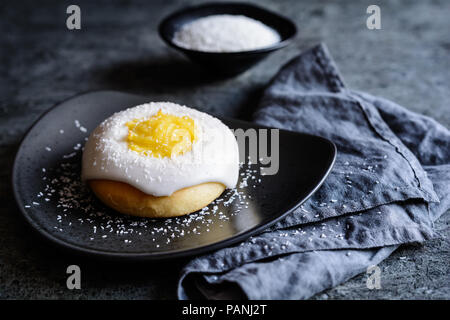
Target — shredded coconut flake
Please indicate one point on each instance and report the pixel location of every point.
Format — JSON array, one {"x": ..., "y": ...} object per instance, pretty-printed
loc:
[{"x": 225, "y": 33}]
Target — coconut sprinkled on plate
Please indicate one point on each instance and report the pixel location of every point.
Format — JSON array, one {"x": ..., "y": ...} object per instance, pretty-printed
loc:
[{"x": 76, "y": 205}]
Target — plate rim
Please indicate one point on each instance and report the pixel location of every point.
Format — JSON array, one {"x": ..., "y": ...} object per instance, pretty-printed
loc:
[{"x": 145, "y": 256}]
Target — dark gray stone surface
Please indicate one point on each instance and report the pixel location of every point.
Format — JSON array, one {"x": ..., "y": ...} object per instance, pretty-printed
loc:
[{"x": 42, "y": 63}]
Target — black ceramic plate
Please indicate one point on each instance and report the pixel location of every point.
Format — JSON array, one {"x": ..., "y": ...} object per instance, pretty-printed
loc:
[
  {"x": 51, "y": 197},
  {"x": 228, "y": 62}
]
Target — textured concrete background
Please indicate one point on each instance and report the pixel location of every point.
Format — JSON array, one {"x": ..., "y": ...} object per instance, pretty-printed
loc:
[{"x": 42, "y": 63}]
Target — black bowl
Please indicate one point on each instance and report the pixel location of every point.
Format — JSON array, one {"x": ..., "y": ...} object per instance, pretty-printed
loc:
[{"x": 229, "y": 63}]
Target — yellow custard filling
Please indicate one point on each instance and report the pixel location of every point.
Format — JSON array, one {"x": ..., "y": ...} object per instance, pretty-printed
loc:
[{"x": 162, "y": 135}]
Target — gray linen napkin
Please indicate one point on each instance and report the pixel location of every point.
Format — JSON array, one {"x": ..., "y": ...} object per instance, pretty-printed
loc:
[{"x": 390, "y": 182}]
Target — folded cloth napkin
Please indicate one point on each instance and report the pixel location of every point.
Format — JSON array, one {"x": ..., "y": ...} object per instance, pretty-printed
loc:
[{"x": 390, "y": 182}]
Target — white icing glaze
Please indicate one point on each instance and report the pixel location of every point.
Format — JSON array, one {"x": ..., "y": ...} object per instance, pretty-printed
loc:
[{"x": 214, "y": 156}]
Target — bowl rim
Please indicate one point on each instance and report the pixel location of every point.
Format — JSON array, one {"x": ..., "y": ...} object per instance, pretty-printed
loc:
[{"x": 278, "y": 45}]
